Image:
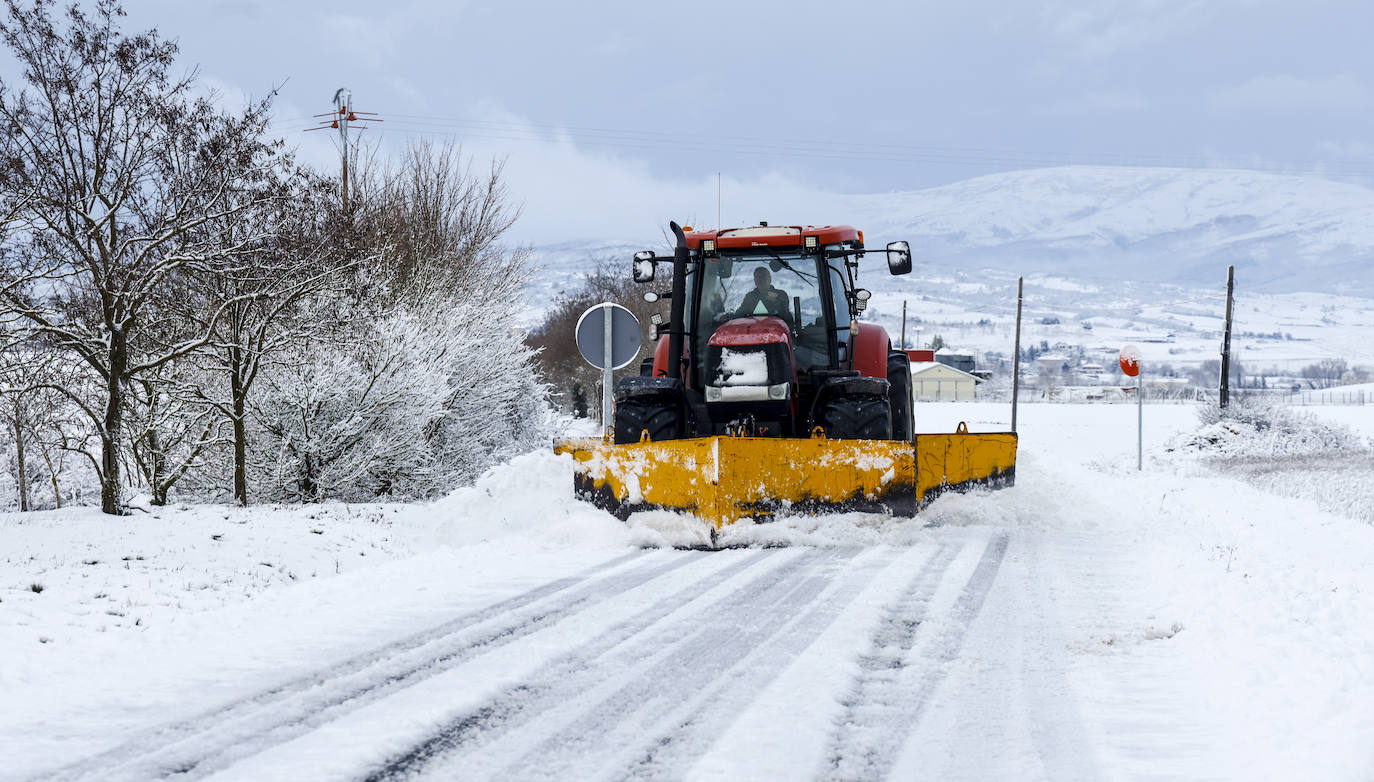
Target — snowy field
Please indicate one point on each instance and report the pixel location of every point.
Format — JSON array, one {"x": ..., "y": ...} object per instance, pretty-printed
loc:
[{"x": 1209, "y": 617}]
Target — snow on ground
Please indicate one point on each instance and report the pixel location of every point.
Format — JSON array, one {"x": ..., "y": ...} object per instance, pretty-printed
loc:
[
  {"x": 75, "y": 576},
  {"x": 1186, "y": 621}
]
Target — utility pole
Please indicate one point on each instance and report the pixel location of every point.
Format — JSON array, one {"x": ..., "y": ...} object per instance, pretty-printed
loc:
[
  {"x": 1226, "y": 339},
  {"x": 340, "y": 119},
  {"x": 1016, "y": 356}
]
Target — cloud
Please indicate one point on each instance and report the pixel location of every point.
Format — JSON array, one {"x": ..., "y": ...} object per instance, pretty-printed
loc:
[
  {"x": 1095, "y": 31},
  {"x": 1338, "y": 94},
  {"x": 1109, "y": 102},
  {"x": 1347, "y": 150},
  {"x": 570, "y": 193}
]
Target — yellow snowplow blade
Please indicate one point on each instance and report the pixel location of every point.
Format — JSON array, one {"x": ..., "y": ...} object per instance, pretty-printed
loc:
[{"x": 723, "y": 479}]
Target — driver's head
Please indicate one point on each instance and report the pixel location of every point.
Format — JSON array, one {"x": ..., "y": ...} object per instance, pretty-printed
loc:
[{"x": 763, "y": 280}]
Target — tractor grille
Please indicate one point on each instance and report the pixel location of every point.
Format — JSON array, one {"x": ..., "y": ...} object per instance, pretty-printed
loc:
[{"x": 776, "y": 354}]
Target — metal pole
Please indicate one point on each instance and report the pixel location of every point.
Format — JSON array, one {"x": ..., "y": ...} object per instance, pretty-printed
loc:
[
  {"x": 903, "y": 324},
  {"x": 606, "y": 372},
  {"x": 1139, "y": 421},
  {"x": 343, "y": 98},
  {"x": 1016, "y": 357},
  {"x": 1226, "y": 339}
]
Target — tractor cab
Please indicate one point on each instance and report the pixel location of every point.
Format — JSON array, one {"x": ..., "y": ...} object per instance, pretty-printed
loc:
[
  {"x": 769, "y": 333},
  {"x": 767, "y": 394}
]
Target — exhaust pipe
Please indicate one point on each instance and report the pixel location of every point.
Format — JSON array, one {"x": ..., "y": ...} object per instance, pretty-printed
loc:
[{"x": 676, "y": 316}]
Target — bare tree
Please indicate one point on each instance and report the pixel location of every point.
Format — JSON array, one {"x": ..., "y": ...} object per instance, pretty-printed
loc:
[
  {"x": 574, "y": 379},
  {"x": 1328, "y": 371},
  {"x": 36, "y": 415},
  {"x": 434, "y": 225},
  {"x": 16, "y": 369},
  {"x": 118, "y": 173}
]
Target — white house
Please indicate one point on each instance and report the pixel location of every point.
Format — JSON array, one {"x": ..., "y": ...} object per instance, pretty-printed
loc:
[{"x": 936, "y": 381}]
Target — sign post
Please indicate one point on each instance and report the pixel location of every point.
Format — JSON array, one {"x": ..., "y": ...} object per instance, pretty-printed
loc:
[
  {"x": 1016, "y": 356},
  {"x": 608, "y": 338},
  {"x": 1130, "y": 366}
]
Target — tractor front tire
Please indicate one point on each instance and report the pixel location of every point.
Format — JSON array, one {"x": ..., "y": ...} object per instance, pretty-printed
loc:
[
  {"x": 857, "y": 417},
  {"x": 658, "y": 416},
  {"x": 899, "y": 377}
]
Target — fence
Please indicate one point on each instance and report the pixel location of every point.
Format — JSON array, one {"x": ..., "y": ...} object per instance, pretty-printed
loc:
[{"x": 1333, "y": 396}]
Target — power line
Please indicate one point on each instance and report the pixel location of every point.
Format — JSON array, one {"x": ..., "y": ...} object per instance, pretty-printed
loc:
[{"x": 423, "y": 125}]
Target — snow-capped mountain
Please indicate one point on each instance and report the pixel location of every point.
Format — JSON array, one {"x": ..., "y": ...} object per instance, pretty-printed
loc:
[{"x": 1283, "y": 233}]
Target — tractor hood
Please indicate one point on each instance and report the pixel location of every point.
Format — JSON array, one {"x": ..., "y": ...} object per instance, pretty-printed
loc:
[{"x": 753, "y": 330}]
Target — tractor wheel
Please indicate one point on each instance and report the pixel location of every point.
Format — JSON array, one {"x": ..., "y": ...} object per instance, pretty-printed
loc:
[
  {"x": 656, "y": 415},
  {"x": 857, "y": 417},
  {"x": 899, "y": 377}
]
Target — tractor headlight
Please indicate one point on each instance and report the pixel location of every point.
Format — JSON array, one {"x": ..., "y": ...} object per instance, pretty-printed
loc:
[
  {"x": 712, "y": 394},
  {"x": 778, "y": 391}
]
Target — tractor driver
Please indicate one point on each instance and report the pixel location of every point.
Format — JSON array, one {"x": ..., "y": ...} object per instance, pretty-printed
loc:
[{"x": 764, "y": 299}]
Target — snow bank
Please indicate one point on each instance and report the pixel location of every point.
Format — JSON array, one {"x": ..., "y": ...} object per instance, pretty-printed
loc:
[
  {"x": 1256, "y": 429},
  {"x": 1289, "y": 453},
  {"x": 528, "y": 503}
]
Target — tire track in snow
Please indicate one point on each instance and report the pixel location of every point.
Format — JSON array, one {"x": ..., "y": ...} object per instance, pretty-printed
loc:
[
  {"x": 695, "y": 728},
  {"x": 1061, "y": 742},
  {"x": 188, "y": 748},
  {"x": 891, "y": 693},
  {"x": 583, "y": 722}
]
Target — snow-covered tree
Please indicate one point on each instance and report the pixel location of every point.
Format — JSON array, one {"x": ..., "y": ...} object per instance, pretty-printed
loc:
[
  {"x": 117, "y": 173},
  {"x": 413, "y": 377}
]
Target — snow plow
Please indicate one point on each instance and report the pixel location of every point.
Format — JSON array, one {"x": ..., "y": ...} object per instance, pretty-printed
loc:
[{"x": 780, "y": 399}]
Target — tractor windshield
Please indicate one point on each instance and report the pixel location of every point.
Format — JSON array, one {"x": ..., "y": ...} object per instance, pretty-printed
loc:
[{"x": 782, "y": 285}]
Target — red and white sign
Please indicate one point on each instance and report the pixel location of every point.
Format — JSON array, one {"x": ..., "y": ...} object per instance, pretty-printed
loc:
[{"x": 1129, "y": 360}]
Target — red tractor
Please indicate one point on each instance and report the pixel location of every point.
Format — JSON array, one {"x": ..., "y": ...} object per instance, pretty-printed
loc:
[
  {"x": 767, "y": 394},
  {"x": 765, "y": 322}
]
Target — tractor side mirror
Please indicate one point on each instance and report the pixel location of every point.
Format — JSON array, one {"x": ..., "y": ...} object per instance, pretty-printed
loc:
[
  {"x": 645, "y": 264},
  {"x": 898, "y": 257}
]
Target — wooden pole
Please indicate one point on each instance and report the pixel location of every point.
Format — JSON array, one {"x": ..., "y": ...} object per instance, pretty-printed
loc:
[
  {"x": 1016, "y": 356},
  {"x": 1226, "y": 339}
]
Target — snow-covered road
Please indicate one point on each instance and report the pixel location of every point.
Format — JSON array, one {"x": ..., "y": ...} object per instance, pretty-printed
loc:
[
  {"x": 1090, "y": 623},
  {"x": 764, "y": 664}
]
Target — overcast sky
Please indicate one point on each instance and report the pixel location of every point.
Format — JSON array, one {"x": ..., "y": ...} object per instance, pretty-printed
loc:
[{"x": 615, "y": 115}]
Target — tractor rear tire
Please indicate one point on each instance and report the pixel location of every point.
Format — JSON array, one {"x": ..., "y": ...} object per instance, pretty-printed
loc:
[
  {"x": 899, "y": 378},
  {"x": 656, "y": 415},
  {"x": 857, "y": 417}
]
